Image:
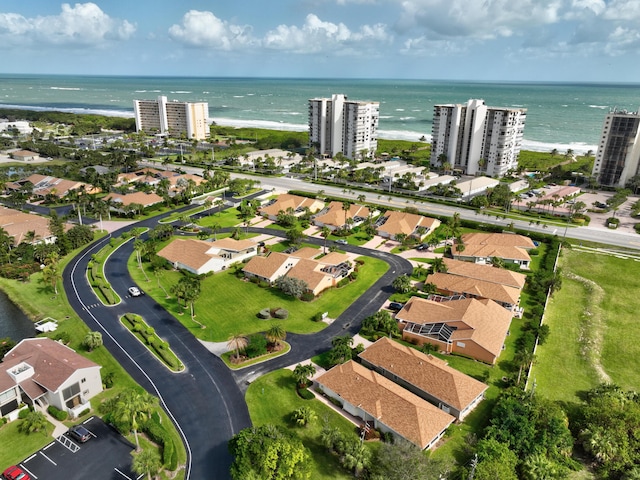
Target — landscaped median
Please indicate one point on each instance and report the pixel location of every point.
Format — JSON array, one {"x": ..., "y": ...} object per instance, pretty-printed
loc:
[{"x": 147, "y": 335}]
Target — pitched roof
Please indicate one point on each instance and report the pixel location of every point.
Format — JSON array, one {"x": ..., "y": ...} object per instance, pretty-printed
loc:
[
  {"x": 490, "y": 251},
  {"x": 232, "y": 244},
  {"x": 17, "y": 224},
  {"x": 336, "y": 215},
  {"x": 430, "y": 374},
  {"x": 286, "y": 201},
  {"x": 189, "y": 252},
  {"x": 266, "y": 267},
  {"x": 403, "y": 222},
  {"x": 306, "y": 252},
  {"x": 144, "y": 199},
  {"x": 308, "y": 271},
  {"x": 472, "y": 286},
  {"x": 333, "y": 258},
  {"x": 487, "y": 273},
  {"x": 498, "y": 240},
  {"x": 53, "y": 364},
  {"x": 407, "y": 414},
  {"x": 483, "y": 321}
]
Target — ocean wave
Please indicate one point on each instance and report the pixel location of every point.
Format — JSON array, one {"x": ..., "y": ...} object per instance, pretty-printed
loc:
[
  {"x": 399, "y": 109},
  {"x": 268, "y": 124},
  {"x": 238, "y": 96},
  {"x": 180, "y": 91},
  {"x": 579, "y": 148},
  {"x": 94, "y": 111},
  {"x": 65, "y": 88},
  {"x": 407, "y": 118},
  {"x": 402, "y": 135},
  {"x": 384, "y": 117},
  {"x": 601, "y": 107}
]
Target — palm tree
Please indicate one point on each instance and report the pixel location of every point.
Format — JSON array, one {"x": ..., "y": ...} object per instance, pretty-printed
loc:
[
  {"x": 33, "y": 422},
  {"x": 92, "y": 340},
  {"x": 325, "y": 232},
  {"x": 147, "y": 462},
  {"x": 362, "y": 198},
  {"x": 346, "y": 206},
  {"x": 438, "y": 265},
  {"x": 51, "y": 275},
  {"x": 134, "y": 407},
  {"x": 276, "y": 333},
  {"x": 303, "y": 372},
  {"x": 303, "y": 416},
  {"x": 138, "y": 246},
  {"x": 238, "y": 342}
]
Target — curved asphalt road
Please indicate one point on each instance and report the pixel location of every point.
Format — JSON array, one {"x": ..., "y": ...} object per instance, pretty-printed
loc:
[{"x": 206, "y": 401}]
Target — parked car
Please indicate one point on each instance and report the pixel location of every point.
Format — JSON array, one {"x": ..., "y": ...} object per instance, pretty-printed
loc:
[
  {"x": 15, "y": 473},
  {"x": 396, "y": 306},
  {"x": 80, "y": 433},
  {"x": 422, "y": 246},
  {"x": 134, "y": 291},
  {"x": 342, "y": 241}
]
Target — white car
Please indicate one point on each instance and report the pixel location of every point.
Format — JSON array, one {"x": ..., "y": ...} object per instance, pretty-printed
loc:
[{"x": 134, "y": 291}]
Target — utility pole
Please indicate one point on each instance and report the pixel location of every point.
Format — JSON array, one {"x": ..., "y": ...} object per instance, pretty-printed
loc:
[{"x": 474, "y": 464}]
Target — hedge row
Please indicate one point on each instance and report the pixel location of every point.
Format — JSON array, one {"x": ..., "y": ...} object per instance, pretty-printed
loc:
[
  {"x": 149, "y": 336},
  {"x": 159, "y": 435},
  {"x": 56, "y": 413}
]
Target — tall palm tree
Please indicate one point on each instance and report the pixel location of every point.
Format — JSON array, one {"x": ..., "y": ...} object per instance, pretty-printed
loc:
[
  {"x": 325, "y": 232},
  {"x": 438, "y": 265},
  {"x": 276, "y": 333},
  {"x": 134, "y": 407},
  {"x": 237, "y": 342},
  {"x": 346, "y": 206},
  {"x": 303, "y": 372}
]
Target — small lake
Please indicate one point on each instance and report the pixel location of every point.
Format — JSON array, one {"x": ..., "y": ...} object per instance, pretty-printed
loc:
[{"x": 14, "y": 323}]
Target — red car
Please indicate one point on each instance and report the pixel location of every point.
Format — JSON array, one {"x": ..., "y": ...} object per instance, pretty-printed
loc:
[{"x": 15, "y": 473}]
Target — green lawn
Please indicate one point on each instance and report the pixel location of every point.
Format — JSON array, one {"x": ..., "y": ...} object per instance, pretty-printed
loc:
[
  {"x": 562, "y": 370},
  {"x": 17, "y": 446},
  {"x": 225, "y": 219},
  {"x": 229, "y": 305},
  {"x": 273, "y": 397}
]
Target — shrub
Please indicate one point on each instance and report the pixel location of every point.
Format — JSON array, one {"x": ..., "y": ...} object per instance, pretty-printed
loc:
[
  {"x": 281, "y": 313},
  {"x": 533, "y": 252},
  {"x": 63, "y": 337},
  {"x": 307, "y": 296},
  {"x": 344, "y": 282},
  {"x": 86, "y": 411},
  {"x": 3, "y": 421},
  {"x": 257, "y": 346},
  {"x": 24, "y": 412},
  {"x": 305, "y": 394},
  {"x": 264, "y": 313},
  {"x": 56, "y": 413},
  {"x": 353, "y": 275},
  {"x": 318, "y": 316}
]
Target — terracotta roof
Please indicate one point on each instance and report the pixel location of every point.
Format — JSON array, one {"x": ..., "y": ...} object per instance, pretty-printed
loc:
[
  {"x": 233, "y": 244},
  {"x": 487, "y": 273},
  {"x": 490, "y": 251},
  {"x": 144, "y": 199},
  {"x": 407, "y": 414},
  {"x": 483, "y": 321},
  {"x": 430, "y": 374},
  {"x": 403, "y": 222},
  {"x": 23, "y": 153},
  {"x": 498, "y": 239},
  {"x": 189, "y": 252},
  {"x": 266, "y": 267},
  {"x": 333, "y": 258},
  {"x": 472, "y": 286},
  {"x": 53, "y": 363},
  {"x": 286, "y": 201},
  {"x": 307, "y": 270},
  {"x": 335, "y": 216},
  {"x": 306, "y": 252},
  {"x": 17, "y": 224}
]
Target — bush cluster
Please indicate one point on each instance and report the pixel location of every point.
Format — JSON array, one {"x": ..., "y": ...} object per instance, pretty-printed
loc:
[
  {"x": 305, "y": 393},
  {"x": 149, "y": 335},
  {"x": 56, "y": 413},
  {"x": 159, "y": 435}
]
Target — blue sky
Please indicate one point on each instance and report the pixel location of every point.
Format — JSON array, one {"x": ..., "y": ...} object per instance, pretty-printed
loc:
[{"x": 520, "y": 40}]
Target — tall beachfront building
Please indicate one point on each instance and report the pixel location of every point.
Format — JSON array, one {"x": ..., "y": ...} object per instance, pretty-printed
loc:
[
  {"x": 618, "y": 156},
  {"x": 346, "y": 126},
  {"x": 173, "y": 118},
  {"x": 477, "y": 139}
]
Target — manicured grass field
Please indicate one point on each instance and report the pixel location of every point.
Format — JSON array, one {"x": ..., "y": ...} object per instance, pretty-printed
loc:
[
  {"x": 561, "y": 370},
  {"x": 16, "y": 446},
  {"x": 272, "y": 398},
  {"x": 229, "y": 305}
]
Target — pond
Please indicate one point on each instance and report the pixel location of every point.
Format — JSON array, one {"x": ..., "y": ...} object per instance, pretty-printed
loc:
[{"x": 13, "y": 322}]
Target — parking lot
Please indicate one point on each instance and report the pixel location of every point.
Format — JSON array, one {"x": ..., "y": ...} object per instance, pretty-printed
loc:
[{"x": 105, "y": 456}]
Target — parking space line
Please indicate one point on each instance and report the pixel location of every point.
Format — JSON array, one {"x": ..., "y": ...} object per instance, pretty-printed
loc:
[
  {"x": 42, "y": 453},
  {"x": 30, "y": 457},
  {"x": 49, "y": 446},
  {"x": 125, "y": 476},
  {"x": 28, "y": 471}
]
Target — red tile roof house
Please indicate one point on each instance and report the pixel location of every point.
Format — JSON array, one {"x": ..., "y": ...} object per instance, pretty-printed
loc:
[
  {"x": 483, "y": 247},
  {"x": 44, "y": 372},
  {"x": 199, "y": 257},
  {"x": 335, "y": 217},
  {"x": 394, "y": 222},
  {"x": 141, "y": 198},
  {"x": 376, "y": 399},
  {"x": 470, "y": 327},
  {"x": 287, "y": 201},
  {"x": 426, "y": 376},
  {"x": 44, "y": 185},
  {"x": 319, "y": 274}
]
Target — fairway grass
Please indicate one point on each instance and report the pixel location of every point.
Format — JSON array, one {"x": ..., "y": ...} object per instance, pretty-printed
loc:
[{"x": 566, "y": 364}]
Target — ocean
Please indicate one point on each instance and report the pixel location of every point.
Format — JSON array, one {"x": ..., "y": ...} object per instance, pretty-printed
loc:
[{"x": 560, "y": 115}]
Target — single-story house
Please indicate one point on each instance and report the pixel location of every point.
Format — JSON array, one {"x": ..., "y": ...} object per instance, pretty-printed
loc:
[
  {"x": 426, "y": 376},
  {"x": 448, "y": 285},
  {"x": 484, "y": 247},
  {"x": 476, "y": 186},
  {"x": 24, "y": 155},
  {"x": 44, "y": 185},
  {"x": 25, "y": 227},
  {"x": 140, "y": 198},
  {"x": 487, "y": 273},
  {"x": 199, "y": 257},
  {"x": 286, "y": 201},
  {"x": 336, "y": 217},
  {"x": 410, "y": 224},
  {"x": 319, "y": 274},
  {"x": 470, "y": 327},
  {"x": 385, "y": 404},
  {"x": 44, "y": 372}
]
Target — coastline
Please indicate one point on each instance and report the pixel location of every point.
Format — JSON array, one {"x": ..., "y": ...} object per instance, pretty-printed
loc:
[{"x": 579, "y": 148}]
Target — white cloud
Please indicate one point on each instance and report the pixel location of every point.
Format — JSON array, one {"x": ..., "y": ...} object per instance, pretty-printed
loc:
[
  {"x": 626, "y": 10},
  {"x": 317, "y": 35},
  {"x": 475, "y": 19},
  {"x": 204, "y": 29},
  {"x": 596, "y": 6},
  {"x": 81, "y": 24}
]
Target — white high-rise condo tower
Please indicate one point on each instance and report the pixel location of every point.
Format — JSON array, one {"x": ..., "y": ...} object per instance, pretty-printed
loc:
[
  {"x": 618, "y": 157},
  {"x": 173, "y": 118},
  {"x": 346, "y": 126},
  {"x": 477, "y": 139}
]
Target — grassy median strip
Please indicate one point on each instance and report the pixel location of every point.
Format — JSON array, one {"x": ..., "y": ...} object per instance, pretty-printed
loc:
[
  {"x": 147, "y": 335},
  {"x": 95, "y": 272}
]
